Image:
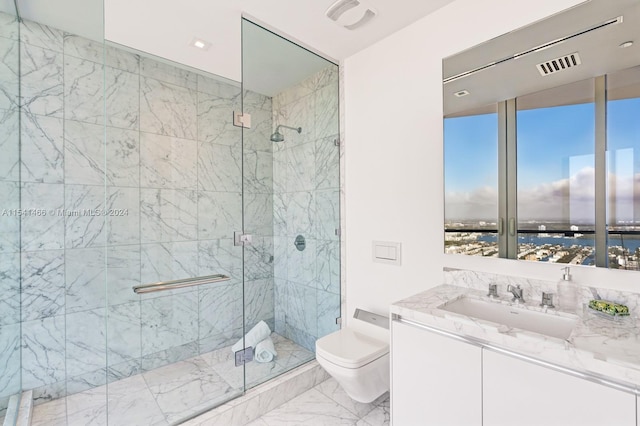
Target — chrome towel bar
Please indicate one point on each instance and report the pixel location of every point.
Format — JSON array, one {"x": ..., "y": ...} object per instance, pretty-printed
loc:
[{"x": 185, "y": 282}]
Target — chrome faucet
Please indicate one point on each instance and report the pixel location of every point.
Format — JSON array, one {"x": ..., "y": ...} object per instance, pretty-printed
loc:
[
  {"x": 493, "y": 290},
  {"x": 517, "y": 293}
]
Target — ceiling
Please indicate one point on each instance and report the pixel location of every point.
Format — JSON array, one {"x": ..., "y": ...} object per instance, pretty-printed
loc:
[
  {"x": 599, "y": 51},
  {"x": 166, "y": 27}
]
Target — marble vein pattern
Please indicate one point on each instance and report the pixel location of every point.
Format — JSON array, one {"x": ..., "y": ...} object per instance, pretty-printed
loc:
[
  {"x": 327, "y": 163},
  {"x": 258, "y": 137},
  {"x": 85, "y": 279},
  {"x": 219, "y": 167},
  {"x": 9, "y": 359},
  {"x": 258, "y": 214},
  {"x": 123, "y": 157},
  {"x": 8, "y": 26},
  {"x": 9, "y": 73},
  {"x": 10, "y": 288},
  {"x": 597, "y": 345},
  {"x": 43, "y": 288},
  {"x": 123, "y": 272},
  {"x": 84, "y": 153},
  {"x": 169, "y": 321},
  {"x": 84, "y": 83},
  {"x": 167, "y": 162},
  {"x": 219, "y": 214},
  {"x": 328, "y": 266},
  {"x": 86, "y": 344},
  {"x": 220, "y": 257},
  {"x": 168, "y": 215},
  {"x": 42, "y": 152},
  {"x": 42, "y": 232},
  {"x": 39, "y": 35},
  {"x": 326, "y": 110},
  {"x": 43, "y": 352},
  {"x": 167, "y": 109},
  {"x": 41, "y": 81},
  {"x": 85, "y": 230},
  {"x": 173, "y": 392},
  {"x": 301, "y": 168},
  {"x": 122, "y": 103},
  {"x": 220, "y": 313},
  {"x": 188, "y": 385},
  {"x": 168, "y": 261},
  {"x": 10, "y": 145},
  {"x": 310, "y": 408},
  {"x": 215, "y": 118},
  {"x": 168, "y": 73},
  {"x": 258, "y": 171},
  {"x": 124, "y": 339},
  {"x": 10, "y": 225},
  {"x": 327, "y": 210}
]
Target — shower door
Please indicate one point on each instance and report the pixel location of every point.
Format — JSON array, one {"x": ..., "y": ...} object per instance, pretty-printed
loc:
[
  {"x": 174, "y": 187},
  {"x": 10, "y": 313},
  {"x": 290, "y": 162}
]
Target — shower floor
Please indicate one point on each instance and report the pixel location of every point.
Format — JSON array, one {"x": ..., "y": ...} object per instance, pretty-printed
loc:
[{"x": 169, "y": 393}]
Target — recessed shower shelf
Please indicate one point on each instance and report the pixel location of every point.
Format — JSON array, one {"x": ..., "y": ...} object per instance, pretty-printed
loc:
[{"x": 185, "y": 282}]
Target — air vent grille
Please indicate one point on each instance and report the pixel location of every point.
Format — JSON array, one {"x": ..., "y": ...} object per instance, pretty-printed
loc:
[{"x": 562, "y": 63}]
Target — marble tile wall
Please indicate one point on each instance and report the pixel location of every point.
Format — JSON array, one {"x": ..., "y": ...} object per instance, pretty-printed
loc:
[
  {"x": 155, "y": 145},
  {"x": 10, "y": 315},
  {"x": 306, "y": 202}
]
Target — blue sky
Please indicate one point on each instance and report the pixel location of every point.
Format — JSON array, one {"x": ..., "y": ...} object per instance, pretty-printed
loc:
[{"x": 553, "y": 144}]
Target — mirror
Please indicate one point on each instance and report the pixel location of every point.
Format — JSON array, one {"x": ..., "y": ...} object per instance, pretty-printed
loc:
[{"x": 541, "y": 147}]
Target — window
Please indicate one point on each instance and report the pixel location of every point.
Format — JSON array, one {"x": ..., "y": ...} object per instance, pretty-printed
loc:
[
  {"x": 623, "y": 165},
  {"x": 555, "y": 174},
  {"x": 471, "y": 204}
]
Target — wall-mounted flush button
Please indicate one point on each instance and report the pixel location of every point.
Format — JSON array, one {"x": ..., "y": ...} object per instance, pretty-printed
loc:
[
  {"x": 300, "y": 243},
  {"x": 387, "y": 252}
]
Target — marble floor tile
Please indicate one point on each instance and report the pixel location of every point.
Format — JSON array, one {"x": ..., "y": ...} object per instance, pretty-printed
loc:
[
  {"x": 333, "y": 390},
  {"x": 132, "y": 403},
  {"x": 52, "y": 413},
  {"x": 168, "y": 394},
  {"x": 186, "y": 387},
  {"x": 310, "y": 408},
  {"x": 379, "y": 416}
]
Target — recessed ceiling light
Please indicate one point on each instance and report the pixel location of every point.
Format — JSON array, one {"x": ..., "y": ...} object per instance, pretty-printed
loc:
[
  {"x": 626, "y": 44},
  {"x": 200, "y": 44},
  {"x": 461, "y": 93}
]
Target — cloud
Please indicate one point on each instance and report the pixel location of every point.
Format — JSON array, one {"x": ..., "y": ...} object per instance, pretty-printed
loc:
[{"x": 571, "y": 199}]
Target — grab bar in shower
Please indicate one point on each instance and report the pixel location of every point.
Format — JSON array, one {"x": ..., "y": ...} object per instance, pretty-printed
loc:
[{"x": 185, "y": 282}]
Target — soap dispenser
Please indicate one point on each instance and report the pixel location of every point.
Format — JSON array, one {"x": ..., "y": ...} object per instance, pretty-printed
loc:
[{"x": 567, "y": 292}]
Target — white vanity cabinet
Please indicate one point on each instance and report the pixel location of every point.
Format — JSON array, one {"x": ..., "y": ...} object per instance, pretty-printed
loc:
[
  {"x": 435, "y": 380},
  {"x": 519, "y": 392}
]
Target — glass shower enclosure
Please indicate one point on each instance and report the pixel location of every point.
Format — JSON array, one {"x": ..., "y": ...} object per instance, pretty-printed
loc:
[{"x": 148, "y": 224}]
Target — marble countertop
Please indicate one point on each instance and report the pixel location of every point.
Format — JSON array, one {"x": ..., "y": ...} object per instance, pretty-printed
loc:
[{"x": 605, "y": 347}]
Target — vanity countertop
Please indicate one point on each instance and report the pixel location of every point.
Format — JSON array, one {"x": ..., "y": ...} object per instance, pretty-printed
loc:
[{"x": 608, "y": 347}]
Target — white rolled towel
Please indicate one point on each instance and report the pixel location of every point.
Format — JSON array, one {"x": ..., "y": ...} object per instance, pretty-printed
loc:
[
  {"x": 258, "y": 333},
  {"x": 265, "y": 351}
]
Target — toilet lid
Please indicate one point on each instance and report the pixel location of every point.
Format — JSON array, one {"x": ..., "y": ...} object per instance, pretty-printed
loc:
[{"x": 350, "y": 349}]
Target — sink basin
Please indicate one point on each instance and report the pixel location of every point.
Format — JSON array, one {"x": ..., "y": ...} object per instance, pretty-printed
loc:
[{"x": 549, "y": 324}]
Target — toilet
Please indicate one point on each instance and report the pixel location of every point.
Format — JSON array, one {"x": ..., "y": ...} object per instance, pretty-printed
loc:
[{"x": 358, "y": 360}]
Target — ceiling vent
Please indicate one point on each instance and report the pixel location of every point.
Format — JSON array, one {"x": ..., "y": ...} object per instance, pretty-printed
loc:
[{"x": 559, "y": 64}]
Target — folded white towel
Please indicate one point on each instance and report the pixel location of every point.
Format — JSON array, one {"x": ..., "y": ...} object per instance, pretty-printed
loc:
[
  {"x": 258, "y": 333},
  {"x": 265, "y": 351}
]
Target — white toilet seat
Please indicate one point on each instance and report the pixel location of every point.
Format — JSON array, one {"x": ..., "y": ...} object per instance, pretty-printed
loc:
[{"x": 350, "y": 349}]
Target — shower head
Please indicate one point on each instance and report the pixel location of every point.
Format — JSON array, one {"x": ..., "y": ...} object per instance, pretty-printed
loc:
[{"x": 279, "y": 137}]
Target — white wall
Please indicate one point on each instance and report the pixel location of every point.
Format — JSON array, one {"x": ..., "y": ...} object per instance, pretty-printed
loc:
[{"x": 393, "y": 154}]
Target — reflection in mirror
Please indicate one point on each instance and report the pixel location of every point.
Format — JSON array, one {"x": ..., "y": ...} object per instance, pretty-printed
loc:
[
  {"x": 623, "y": 165},
  {"x": 540, "y": 141},
  {"x": 556, "y": 186}
]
